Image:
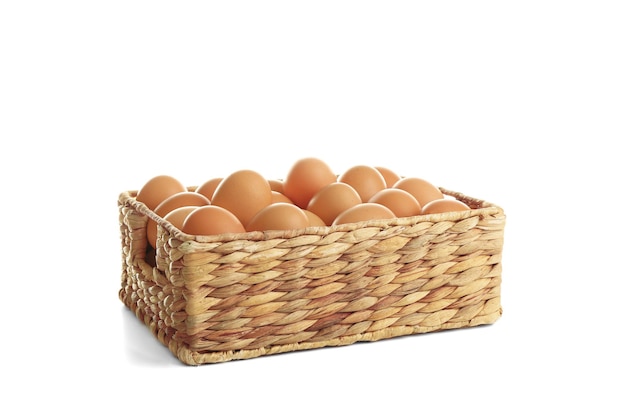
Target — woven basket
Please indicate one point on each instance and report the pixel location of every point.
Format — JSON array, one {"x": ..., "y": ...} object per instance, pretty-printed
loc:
[{"x": 213, "y": 299}]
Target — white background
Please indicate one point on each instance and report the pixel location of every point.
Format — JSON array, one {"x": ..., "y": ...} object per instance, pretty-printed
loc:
[{"x": 518, "y": 103}]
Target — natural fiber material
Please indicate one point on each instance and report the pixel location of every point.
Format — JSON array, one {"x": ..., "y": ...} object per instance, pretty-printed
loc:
[{"x": 213, "y": 299}]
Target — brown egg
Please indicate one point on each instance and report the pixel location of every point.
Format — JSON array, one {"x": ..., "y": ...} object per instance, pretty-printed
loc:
[
  {"x": 279, "y": 216},
  {"x": 314, "y": 219},
  {"x": 401, "y": 202},
  {"x": 177, "y": 216},
  {"x": 363, "y": 212},
  {"x": 211, "y": 220},
  {"x": 421, "y": 189},
  {"x": 276, "y": 185},
  {"x": 444, "y": 205},
  {"x": 243, "y": 193},
  {"x": 305, "y": 178},
  {"x": 180, "y": 199},
  {"x": 333, "y": 199},
  {"x": 390, "y": 176},
  {"x": 278, "y": 197},
  {"x": 366, "y": 180},
  {"x": 158, "y": 189},
  {"x": 183, "y": 198},
  {"x": 208, "y": 187}
]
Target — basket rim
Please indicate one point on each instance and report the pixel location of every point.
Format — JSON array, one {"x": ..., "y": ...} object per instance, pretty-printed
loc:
[{"x": 483, "y": 209}]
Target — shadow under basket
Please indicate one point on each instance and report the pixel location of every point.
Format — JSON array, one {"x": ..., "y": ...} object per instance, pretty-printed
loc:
[{"x": 213, "y": 299}]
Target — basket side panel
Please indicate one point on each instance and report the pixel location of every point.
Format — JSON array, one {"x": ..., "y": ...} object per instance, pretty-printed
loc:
[
  {"x": 144, "y": 288},
  {"x": 273, "y": 296}
]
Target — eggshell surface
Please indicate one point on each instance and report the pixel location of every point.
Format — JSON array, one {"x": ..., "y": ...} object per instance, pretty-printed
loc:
[
  {"x": 444, "y": 205},
  {"x": 180, "y": 199},
  {"x": 177, "y": 216},
  {"x": 243, "y": 193},
  {"x": 278, "y": 197},
  {"x": 305, "y": 178},
  {"x": 401, "y": 202},
  {"x": 279, "y": 216},
  {"x": 211, "y": 220},
  {"x": 366, "y": 180},
  {"x": 421, "y": 189},
  {"x": 208, "y": 187},
  {"x": 363, "y": 212},
  {"x": 314, "y": 219},
  {"x": 333, "y": 199},
  {"x": 389, "y": 175},
  {"x": 276, "y": 185},
  {"x": 157, "y": 189}
]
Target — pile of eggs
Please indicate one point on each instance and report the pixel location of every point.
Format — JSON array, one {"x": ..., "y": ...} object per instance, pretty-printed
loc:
[{"x": 311, "y": 194}]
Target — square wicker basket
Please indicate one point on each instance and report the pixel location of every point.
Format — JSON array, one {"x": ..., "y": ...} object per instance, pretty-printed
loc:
[{"x": 213, "y": 299}]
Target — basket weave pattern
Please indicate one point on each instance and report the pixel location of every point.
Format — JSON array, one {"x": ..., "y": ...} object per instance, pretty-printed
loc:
[{"x": 213, "y": 299}]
